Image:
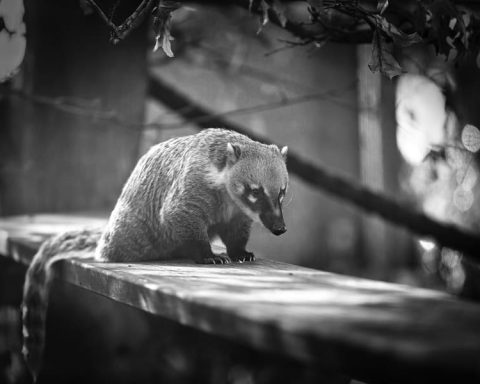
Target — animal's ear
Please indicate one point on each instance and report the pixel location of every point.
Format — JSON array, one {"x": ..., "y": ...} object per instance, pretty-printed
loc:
[
  {"x": 274, "y": 147},
  {"x": 284, "y": 152},
  {"x": 233, "y": 153}
]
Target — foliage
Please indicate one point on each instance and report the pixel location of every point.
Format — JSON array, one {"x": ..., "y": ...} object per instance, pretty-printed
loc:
[
  {"x": 451, "y": 26},
  {"x": 453, "y": 29},
  {"x": 162, "y": 18}
]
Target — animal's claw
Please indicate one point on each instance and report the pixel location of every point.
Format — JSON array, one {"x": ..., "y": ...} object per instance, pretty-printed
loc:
[
  {"x": 222, "y": 259},
  {"x": 244, "y": 256},
  {"x": 217, "y": 259}
]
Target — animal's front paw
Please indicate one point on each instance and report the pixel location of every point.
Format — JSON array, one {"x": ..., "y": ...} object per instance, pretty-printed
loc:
[
  {"x": 215, "y": 259},
  {"x": 243, "y": 256}
]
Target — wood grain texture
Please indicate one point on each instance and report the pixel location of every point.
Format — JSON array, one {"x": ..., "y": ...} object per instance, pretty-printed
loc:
[{"x": 373, "y": 331}]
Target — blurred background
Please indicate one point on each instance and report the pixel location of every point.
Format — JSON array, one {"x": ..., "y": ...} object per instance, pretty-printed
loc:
[{"x": 78, "y": 112}]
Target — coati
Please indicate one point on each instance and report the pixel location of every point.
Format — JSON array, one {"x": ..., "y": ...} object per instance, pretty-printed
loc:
[{"x": 181, "y": 193}]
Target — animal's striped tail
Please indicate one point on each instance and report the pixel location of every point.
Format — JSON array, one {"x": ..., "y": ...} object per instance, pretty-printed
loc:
[{"x": 37, "y": 286}]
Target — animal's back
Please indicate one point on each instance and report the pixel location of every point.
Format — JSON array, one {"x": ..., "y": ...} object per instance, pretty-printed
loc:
[{"x": 169, "y": 184}]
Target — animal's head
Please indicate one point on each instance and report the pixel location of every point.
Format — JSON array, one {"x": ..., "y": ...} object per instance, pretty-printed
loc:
[{"x": 257, "y": 181}]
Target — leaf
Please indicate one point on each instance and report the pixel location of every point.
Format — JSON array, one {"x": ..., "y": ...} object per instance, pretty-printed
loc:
[
  {"x": 275, "y": 7},
  {"x": 382, "y": 6},
  {"x": 264, "y": 5},
  {"x": 163, "y": 41},
  {"x": 471, "y": 138},
  {"x": 382, "y": 58},
  {"x": 398, "y": 36},
  {"x": 162, "y": 24},
  {"x": 445, "y": 27}
]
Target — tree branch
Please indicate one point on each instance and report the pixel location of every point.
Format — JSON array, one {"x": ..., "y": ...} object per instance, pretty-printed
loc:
[
  {"x": 312, "y": 32},
  {"x": 119, "y": 32}
]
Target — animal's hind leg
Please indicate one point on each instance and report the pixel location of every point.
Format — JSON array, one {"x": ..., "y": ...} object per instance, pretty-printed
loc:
[
  {"x": 201, "y": 252},
  {"x": 186, "y": 234}
]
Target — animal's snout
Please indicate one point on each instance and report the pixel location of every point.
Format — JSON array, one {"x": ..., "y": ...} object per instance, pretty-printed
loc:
[
  {"x": 274, "y": 222},
  {"x": 279, "y": 230}
]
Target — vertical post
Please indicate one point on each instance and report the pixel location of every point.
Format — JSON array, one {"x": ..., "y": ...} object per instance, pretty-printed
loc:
[
  {"x": 386, "y": 248},
  {"x": 371, "y": 158},
  {"x": 58, "y": 160}
]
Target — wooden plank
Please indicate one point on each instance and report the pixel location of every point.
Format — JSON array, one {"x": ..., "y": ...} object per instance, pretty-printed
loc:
[
  {"x": 34, "y": 229},
  {"x": 373, "y": 331}
]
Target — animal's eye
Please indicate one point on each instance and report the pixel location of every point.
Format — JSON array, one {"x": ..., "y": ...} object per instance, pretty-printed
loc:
[{"x": 281, "y": 195}]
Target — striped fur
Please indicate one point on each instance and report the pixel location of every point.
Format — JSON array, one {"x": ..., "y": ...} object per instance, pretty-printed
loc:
[{"x": 37, "y": 286}]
